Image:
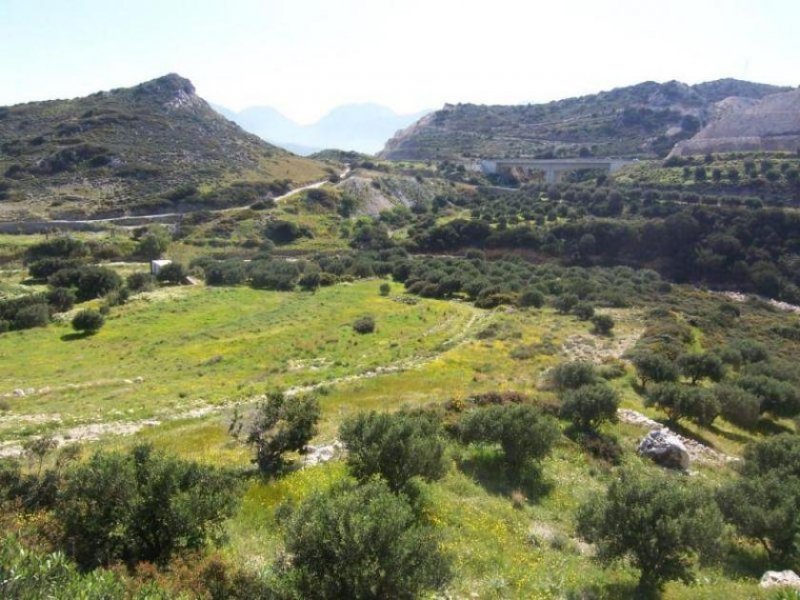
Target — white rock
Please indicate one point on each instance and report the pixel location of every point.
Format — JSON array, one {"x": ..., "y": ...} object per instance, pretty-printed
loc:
[
  {"x": 786, "y": 578},
  {"x": 666, "y": 449}
]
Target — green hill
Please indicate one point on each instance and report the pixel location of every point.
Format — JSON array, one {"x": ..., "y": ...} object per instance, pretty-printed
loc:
[{"x": 155, "y": 147}]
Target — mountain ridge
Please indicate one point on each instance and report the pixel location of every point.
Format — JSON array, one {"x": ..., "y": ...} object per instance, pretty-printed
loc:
[{"x": 644, "y": 120}]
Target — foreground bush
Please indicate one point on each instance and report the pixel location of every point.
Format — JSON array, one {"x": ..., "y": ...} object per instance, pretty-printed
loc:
[
  {"x": 140, "y": 506},
  {"x": 762, "y": 505},
  {"x": 572, "y": 375},
  {"x": 657, "y": 521},
  {"x": 360, "y": 542},
  {"x": 524, "y": 433},
  {"x": 27, "y": 575},
  {"x": 395, "y": 446}
]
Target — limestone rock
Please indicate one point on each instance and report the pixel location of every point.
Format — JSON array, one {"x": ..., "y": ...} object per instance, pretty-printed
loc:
[
  {"x": 787, "y": 578},
  {"x": 665, "y": 449}
]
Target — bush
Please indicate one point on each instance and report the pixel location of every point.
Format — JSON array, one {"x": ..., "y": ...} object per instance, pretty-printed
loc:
[
  {"x": 140, "y": 282},
  {"x": 360, "y": 542},
  {"x": 590, "y": 405},
  {"x": 659, "y": 522},
  {"x": 61, "y": 299},
  {"x": 229, "y": 272},
  {"x": 88, "y": 321},
  {"x": 385, "y": 289},
  {"x": 395, "y": 446},
  {"x": 173, "y": 273},
  {"x": 152, "y": 245},
  {"x": 762, "y": 505},
  {"x": 285, "y": 232},
  {"x": 281, "y": 425},
  {"x": 35, "y": 315},
  {"x": 603, "y": 324},
  {"x": 45, "y": 267},
  {"x": 738, "y": 406},
  {"x": 682, "y": 401},
  {"x": 141, "y": 506},
  {"x": 572, "y": 375},
  {"x": 311, "y": 278},
  {"x": 532, "y": 297},
  {"x": 584, "y": 311},
  {"x": 524, "y": 433},
  {"x": 89, "y": 281},
  {"x": 279, "y": 275},
  {"x": 364, "y": 325},
  {"x": 565, "y": 303},
  {"x": 779, "y": 398},
  {"x": 654, "y": 367},
  {"x": 701, "y": 365}
]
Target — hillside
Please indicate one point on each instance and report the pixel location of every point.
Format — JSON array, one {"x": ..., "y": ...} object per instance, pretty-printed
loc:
[
  {"x": 150, "y": 148},
  {"x": 769, "y": 124},
  {"x": 359, "y": 127},
  {"x": 643, "y": 120}
]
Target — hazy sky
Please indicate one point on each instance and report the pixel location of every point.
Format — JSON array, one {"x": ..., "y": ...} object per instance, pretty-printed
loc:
[{"x": 306, "y": 56}]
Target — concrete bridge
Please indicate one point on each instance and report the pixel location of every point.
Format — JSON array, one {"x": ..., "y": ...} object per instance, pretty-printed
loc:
[{"x": 553, "y": 169}]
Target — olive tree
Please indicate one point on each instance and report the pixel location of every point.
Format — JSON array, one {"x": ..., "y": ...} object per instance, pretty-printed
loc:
[{"x": 657, "y": 521}]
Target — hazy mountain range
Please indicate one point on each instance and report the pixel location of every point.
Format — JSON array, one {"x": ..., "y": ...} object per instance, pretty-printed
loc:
[{"x": 360, "y": 127}]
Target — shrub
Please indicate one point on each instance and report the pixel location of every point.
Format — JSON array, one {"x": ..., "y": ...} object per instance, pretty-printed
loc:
[
  {"x": 584, "y": 311},
  {"x": 310, "y": 279},
  {"x": 385, "y": 289},
  {"x": 659, "y": 522},
  {"x": 572, "y": 375},
  {"x": 61, "y": 299},
  {"x": 682, "y": 401},
  {"x": 654, "y": 367},
  {"x": 88, "y": 321},
  {"x": 285, "y": 232},
  {"x": 277, "y": 275},
  {"x": 229, "y": 272},
  {"x": 360, "y": 542},
  {"x": 28, "y": 317},
  {"x": 45, "y": 267},
  {"x": 531, "y": 297},
  {"x": 524, "y": 433},
  {"x": 89, "y": 281},
  {"x": 140, "y": 506},
  {"x": 565, "y": 303},
  {"x": 603, "y": 324},
  {"x": 173, "y": 272},
  {"x": 281, "y": 425},
  {"x": 779, "y": 398},
  {"x": 762, "y": 503},
  {"x": 364, "y": 325},
  {"x": 395, "y": 446},
  {"x": 738, "y": 406},
  {"x": 701, "y": 365},
  {"x": 590, "y": 405},
  {"x": 140, "y": 282},
  {"x": 152, "y": 245}
]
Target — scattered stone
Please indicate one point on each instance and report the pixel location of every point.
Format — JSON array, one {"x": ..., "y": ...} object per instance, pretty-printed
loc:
[
  {"x": 315, "y": 455},
  {"x": 665, "y": 449},
  {"x": 787, "y": 578},
  {"x": 139, "y": 379},
  {"x": 19, "y": 393}
]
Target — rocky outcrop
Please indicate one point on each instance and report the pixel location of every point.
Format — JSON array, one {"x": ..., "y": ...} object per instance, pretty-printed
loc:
[
  {"x": 772, "y": 579},
  {"x": 770, "y": 124},
  {"x": 665, "y": 449}
]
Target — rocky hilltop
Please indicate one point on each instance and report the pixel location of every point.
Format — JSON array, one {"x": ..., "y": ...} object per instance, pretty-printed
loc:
[
  {"x": 644, "y": 120},
  {"x": 153, "y": 147}
]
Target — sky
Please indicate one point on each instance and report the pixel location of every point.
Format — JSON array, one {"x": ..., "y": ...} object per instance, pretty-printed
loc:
[{"x": 304, "y": 57}]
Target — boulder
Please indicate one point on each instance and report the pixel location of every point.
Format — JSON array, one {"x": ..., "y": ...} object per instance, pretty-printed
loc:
[
  {"x": 665, "y": 449},
  {"x": 787, "y": 578}
]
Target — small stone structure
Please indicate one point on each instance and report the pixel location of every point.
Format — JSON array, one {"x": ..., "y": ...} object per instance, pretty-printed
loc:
[{"x": 157, "y": 265}]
